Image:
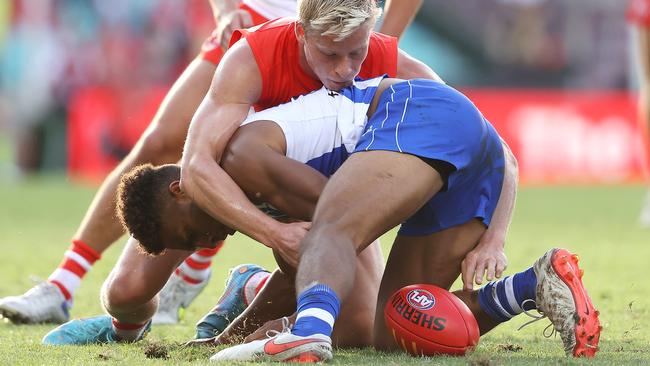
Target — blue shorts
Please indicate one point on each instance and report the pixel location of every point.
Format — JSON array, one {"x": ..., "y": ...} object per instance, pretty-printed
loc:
[{"x": 435, "y": 121}]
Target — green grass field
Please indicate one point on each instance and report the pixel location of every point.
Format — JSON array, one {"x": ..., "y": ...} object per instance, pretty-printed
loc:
[{"x": 39, "y": 215}]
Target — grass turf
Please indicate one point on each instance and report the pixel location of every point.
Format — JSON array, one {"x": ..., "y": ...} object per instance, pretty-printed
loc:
[{"x": 39, "y": 215}]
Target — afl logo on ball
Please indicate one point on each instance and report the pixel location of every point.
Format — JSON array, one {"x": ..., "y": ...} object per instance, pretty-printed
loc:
[{"x": 421, "y": 299}]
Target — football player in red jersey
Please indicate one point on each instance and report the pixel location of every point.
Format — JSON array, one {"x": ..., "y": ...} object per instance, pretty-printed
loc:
[
  {"x": 302, "y": 59},
  {"x": 639, "y": 16},
  {"x": 161, "y": 143}
]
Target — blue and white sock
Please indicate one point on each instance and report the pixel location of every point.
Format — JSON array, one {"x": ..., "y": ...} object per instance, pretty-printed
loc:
[
  {"x": 318, "y": 307},
  {"x": 503, "y": 299}
]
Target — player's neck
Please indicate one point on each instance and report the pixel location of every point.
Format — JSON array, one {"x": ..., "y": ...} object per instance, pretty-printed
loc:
[{"x": 302, "y": 61}]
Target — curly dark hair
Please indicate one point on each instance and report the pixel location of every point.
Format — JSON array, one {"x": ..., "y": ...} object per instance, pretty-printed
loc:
[{"x": 139, "y": 203}]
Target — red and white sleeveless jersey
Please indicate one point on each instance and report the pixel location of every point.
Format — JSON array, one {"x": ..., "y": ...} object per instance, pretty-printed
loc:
[{"x": 276, "y": 51}]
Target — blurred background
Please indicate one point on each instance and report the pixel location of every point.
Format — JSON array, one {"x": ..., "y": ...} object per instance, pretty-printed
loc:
[{"x": 80, "y": 80}]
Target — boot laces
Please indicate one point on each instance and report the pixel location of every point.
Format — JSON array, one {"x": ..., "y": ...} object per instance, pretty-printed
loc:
[{"x": 537, "y": 317}]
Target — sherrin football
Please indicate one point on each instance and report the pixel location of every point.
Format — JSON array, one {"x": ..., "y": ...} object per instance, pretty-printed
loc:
[{"x": 426, "y": 320}]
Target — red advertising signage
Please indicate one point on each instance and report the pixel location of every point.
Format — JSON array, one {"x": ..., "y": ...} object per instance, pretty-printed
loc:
[
  {"x": 568, "y": 136},
  {"x": 557, "y": 136}
]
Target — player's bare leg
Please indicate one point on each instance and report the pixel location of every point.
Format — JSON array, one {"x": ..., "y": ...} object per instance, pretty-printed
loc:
[
  {"x": 277, "y": 299},
  {"x": 385, "y": 192},
  {"x": 433, "y": 259},
  {"x": 129, "y": 295},
  {"x": 161, "y": 143},
  {"x": 371, "y": 193}
]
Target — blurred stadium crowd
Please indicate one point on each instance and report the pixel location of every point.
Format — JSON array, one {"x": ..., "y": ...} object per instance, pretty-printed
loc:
[
  {"x": 57, "y": 54},
  {"x": 79, "y": 80}
]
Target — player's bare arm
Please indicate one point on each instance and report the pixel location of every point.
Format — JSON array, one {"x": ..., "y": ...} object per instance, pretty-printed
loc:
[
  {"x": 412, "y": 68},
  {"x": 398, "y": 17},
  {"x": 214, "y": 123},
  {"x": 221, "y": 7},
  {"x": 257, "y": 158},
  {"x": 489, "y": 256},
  {"x": 229, "y": 17}
]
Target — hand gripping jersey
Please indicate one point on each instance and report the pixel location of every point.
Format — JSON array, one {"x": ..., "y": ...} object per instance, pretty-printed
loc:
[{"x": 276, "y": 51}]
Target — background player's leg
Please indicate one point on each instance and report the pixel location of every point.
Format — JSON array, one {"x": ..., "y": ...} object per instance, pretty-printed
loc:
[
  {"x": 275, "y": 300},
  {"x": 161, "y": 143},
  {"x": 129, "y": 295}
]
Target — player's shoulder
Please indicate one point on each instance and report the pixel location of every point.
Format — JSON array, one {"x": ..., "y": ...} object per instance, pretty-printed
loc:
[
  {"x": 279, "y": 23},
  {"x": 272, "y": 27},
  {"x": 382, "y": 38},
  {"x": 382, "y": 42}
]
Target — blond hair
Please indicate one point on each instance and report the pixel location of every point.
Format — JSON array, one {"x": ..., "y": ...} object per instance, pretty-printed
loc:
[{"x": 338, "y": 18}]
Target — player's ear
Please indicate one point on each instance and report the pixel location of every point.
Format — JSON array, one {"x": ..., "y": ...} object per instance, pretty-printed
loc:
[
  {"x": 300, "y": 32},
  {"x": 175, "y": 189}
]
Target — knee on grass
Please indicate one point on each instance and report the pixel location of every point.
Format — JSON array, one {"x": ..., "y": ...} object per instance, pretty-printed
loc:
[{"x": 124, "y": 295}]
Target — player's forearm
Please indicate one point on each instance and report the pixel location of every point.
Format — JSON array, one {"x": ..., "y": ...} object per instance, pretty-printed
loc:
[
  {"x": 496, "y": 233},
  {"x": 206, "y": 182},
  {"x": 398, "y": 17},
  {"x": 216, "y": 193},
  {"x": 298, "y": 187}
]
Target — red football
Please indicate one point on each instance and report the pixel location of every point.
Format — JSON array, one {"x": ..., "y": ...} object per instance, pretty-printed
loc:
[{"x": 428, "y": 320}]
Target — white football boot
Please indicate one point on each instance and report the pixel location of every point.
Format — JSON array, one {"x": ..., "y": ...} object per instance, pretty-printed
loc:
[
  {"x": 562, "y": 298},
  {"x": 176, "y": 294},
  {"x": 43, "y": 303},
  {"x": 280, "y": 346}
]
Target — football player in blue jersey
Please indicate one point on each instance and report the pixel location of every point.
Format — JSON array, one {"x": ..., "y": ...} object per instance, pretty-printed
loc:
[
  {"x": 429, "y": 161},
  {"x": 445, "y": 204}
]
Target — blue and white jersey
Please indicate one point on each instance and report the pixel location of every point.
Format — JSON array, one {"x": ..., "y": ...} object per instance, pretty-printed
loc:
[{"x": 322, "y": 128}]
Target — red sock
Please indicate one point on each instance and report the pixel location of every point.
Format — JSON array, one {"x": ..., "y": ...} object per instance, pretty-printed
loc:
[
  {"x": 196, "y": 268},
  {"x": 129, "y": 332},
  {"x": 77, "y": 261},
  {"x": 254, "y": 286}
]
